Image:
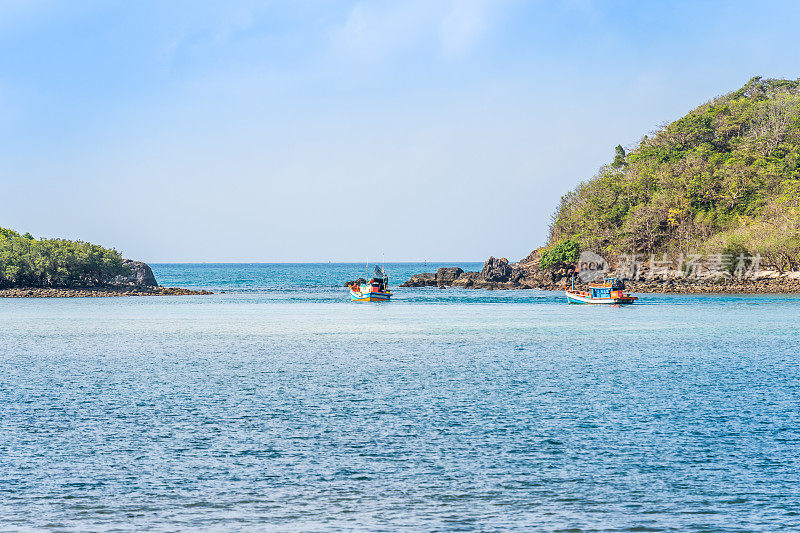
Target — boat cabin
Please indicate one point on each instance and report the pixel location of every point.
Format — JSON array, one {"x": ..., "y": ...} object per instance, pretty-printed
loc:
[
  {"x": 610, "y": 291},
  {"x": 378, "y": 284},
  {"x": 610, "y": 288},
  {"x": 379, "y": 281}
]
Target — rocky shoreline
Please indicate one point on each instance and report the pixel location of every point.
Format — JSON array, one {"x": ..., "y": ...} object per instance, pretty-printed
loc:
[
  {"x": 139, "y": 282},
  {"x": 499, "y": 274},
  {"x": 96, "y": 292}
]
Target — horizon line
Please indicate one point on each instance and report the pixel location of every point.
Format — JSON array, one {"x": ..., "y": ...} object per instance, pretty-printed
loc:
[{"x": 301, "y": 262}]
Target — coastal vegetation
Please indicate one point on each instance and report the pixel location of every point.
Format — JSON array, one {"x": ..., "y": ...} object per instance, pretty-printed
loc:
[
  {"x": 564, "y": 252},
  {"x": 29, "y": 262},
  {"x": 723, "y": 179}
]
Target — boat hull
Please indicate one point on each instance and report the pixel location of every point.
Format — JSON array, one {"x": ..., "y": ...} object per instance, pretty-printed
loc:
[
  {"x": 370, "y": 296},
  {"x": 577, "y": 298}
]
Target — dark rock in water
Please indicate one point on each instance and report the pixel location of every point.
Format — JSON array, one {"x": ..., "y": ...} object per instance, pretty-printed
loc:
[
  {"x": 499, "y": 274},
  {"x": 141, "y": 275},
  {"x": 421, "y": 280},
  {"x": 465, "y": 280},
  {"x": 442, "y": 278},
  {"x": 496, "y": 274},
  {"x": 359, "y": 281},
  {"x": 496, "y": 269},
  {"x": 447, "y": 275}
]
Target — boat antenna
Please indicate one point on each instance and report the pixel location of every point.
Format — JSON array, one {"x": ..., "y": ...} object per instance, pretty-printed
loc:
[{"x": 574, "y": 273}]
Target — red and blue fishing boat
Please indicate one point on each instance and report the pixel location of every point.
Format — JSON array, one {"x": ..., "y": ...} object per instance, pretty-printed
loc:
[
  {"x": 375, "y": 290},
  {"x": 610, "y": 291}
]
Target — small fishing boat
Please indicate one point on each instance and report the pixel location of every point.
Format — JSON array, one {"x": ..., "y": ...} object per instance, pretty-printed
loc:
[
  {"x": 375, "y": 290},
  {"x": 610, "y": 291}
]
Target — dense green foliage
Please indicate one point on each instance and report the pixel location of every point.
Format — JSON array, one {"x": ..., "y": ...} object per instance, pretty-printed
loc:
[
  {"x": 565, "y": 252},
  {"x": 726, "y": 175},
  {"x": 29, "y": 262}
]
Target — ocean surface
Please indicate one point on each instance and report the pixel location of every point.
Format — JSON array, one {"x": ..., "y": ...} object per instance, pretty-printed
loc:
[{"x": 280, "y": 405}]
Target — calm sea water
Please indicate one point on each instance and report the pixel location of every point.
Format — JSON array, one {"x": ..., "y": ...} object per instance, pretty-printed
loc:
[{"x": 280, "y": 405}]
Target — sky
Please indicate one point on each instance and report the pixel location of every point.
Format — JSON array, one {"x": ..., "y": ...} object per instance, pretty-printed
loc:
[{"x": 293, "y": 131}]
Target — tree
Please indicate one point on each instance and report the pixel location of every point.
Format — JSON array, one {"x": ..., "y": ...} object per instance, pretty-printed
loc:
[
  {"x": 619, "y": 157},
  {"x": 728, "y": 169},
  {"x": 564, "y": 253},
  {"x": 25, "y": 261}
]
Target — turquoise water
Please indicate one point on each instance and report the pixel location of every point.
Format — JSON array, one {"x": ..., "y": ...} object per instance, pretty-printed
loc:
[{"x": 280, "y": 405}]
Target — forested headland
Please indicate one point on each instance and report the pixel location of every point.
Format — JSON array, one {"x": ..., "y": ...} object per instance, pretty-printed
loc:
[
  {"x": 29, "y": 262},
  {"x": 725, "y": 178},
  {"x": 709, "y": 203}
]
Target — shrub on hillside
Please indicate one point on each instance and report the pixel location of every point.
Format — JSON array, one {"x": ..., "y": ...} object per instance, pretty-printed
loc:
[{"x": 565, "y": 252}]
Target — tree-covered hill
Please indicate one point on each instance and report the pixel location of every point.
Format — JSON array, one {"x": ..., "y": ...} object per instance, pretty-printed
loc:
[
  {"x": 725, "y": 176},
  {"x": 29, "y": 262}
]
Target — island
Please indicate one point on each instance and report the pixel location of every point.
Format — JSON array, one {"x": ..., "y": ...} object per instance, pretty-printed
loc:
[
  {"x": 31, "y": 267},
  {"x": 709, "y": 203}
]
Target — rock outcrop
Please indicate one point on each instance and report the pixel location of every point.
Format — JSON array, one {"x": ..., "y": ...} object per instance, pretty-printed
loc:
[
  {"x": 501, "y": 274},
  {"x": 141, "y": 275},
  {"x": 421, "y": 280},
  {"x": 444, "y": 277},
  {"x": 495, "y": 274},
  {"x": 447, "y": 275},
  {"x": 496, "y": 269},
  {"x": 139, "y": 282},
  {"x": 359, "y": 281},
  {"x": 97, "y": 292}
]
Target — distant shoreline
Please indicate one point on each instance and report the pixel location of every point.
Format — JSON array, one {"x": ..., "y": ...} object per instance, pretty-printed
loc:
[
  {"x": 96, "y": 292},
  {"x": 786, "y": 286},
  {"x": 499, "y": 274}
]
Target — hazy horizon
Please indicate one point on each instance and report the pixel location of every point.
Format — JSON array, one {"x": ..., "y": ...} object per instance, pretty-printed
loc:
[
  {"x": 288, "y": 132},
  {"x": 437, "y": 261}
]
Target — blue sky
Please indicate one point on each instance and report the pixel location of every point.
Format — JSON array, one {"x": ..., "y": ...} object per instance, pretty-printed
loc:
[{"x": 345, "y": 131}]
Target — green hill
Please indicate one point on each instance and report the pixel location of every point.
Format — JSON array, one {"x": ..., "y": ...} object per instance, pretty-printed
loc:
[
  {"x": 29, "y": 262},
  {"x": 725, "y": 176}
]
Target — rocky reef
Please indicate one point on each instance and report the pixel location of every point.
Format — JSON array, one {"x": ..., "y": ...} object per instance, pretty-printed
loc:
[
  {"x": 95, "y": 292},
  {"x": 139, "y": 281},
  {"x": 141, "y": 275},
  {"x": 499, "y": 274}
]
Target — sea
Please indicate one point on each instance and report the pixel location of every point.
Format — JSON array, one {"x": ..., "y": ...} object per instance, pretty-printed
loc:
[{"x": 276, "y": 404}]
